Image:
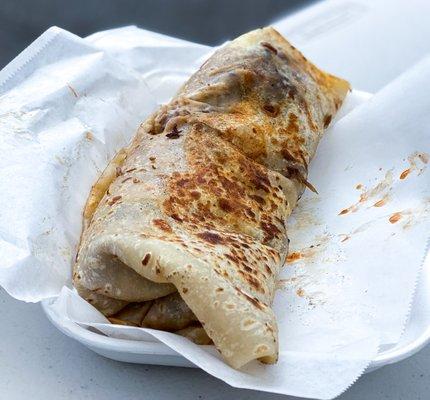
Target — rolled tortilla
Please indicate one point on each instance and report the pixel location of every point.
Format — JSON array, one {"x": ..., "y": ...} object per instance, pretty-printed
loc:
[{"x": 199, "y": 200}]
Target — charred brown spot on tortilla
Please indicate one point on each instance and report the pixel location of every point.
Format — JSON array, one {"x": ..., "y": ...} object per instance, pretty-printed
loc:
[
  {"x": 268, "y": 46},
  {"x": 195, "y": 195},
  {"x": 271, "y": 109},
  {"x": 233, "y": 258},
  {"x": 118, "y": 171},
  {"x": 126, "y": 179},
  {"x": 327, "y": 120},
  {"x": 211, "y": 237},
  {"x": 309, "y": 117},
  {"x": 292, "y": 128},
  {"x": 250, "y": 213},
  {"x": 162, "y": 224},
  {"x": 174, "y": 133},
  {"x": 270, "y": 230},
  {"x": 146, "y": 259},
  {"x": 226, "y": 205},
  {"x": 184, "y": 182},
  {"x": 114, "y": 199},
  {"x": 260, "y": 180},
  {"x": 258, "y": 199},
  {"x": 131, "y": 170},
  {"x": 253, "y": 300},
  {"x": 287, "y": 155}
]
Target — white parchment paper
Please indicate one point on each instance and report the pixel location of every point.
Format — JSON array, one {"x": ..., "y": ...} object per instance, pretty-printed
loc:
[{"x": 68, "y": 104}]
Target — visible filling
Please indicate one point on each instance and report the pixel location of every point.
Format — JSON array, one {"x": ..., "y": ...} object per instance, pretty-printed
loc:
[{"x": 169, "y": 313}]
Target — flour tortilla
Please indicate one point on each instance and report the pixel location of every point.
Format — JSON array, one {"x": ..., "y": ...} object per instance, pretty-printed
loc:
[{"x": 198, "y": 203}]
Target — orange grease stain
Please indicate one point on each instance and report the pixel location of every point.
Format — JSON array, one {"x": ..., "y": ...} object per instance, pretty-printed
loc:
[
  {"x": 395, "y": 217},
  {"x": 381, "y": 188},
  {"x": 380, "y": 203},
  {"x": 424, "y": 157},
  {"x": 363, "y": 197},
  {"x": 294, "y": 257},
  {"x": 405, "y": 173},
  {"x": 300, "y": 292}
]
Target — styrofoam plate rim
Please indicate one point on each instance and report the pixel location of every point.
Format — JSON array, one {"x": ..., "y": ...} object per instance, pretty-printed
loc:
[{"x": 416, "y": 335}]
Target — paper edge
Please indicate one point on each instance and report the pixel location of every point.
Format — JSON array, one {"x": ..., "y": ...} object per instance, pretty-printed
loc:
[{"x": 27, "y": 55}]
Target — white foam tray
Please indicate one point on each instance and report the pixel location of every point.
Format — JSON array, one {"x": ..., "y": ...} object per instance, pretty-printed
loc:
[{"x": 415, "y": 336}]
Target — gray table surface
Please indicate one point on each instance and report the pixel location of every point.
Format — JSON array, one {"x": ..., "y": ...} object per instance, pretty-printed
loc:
[{"x": 38, "y": 362}]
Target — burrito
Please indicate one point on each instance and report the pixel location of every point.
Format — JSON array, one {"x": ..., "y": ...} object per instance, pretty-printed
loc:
[{"x": 186, "y": 229}]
